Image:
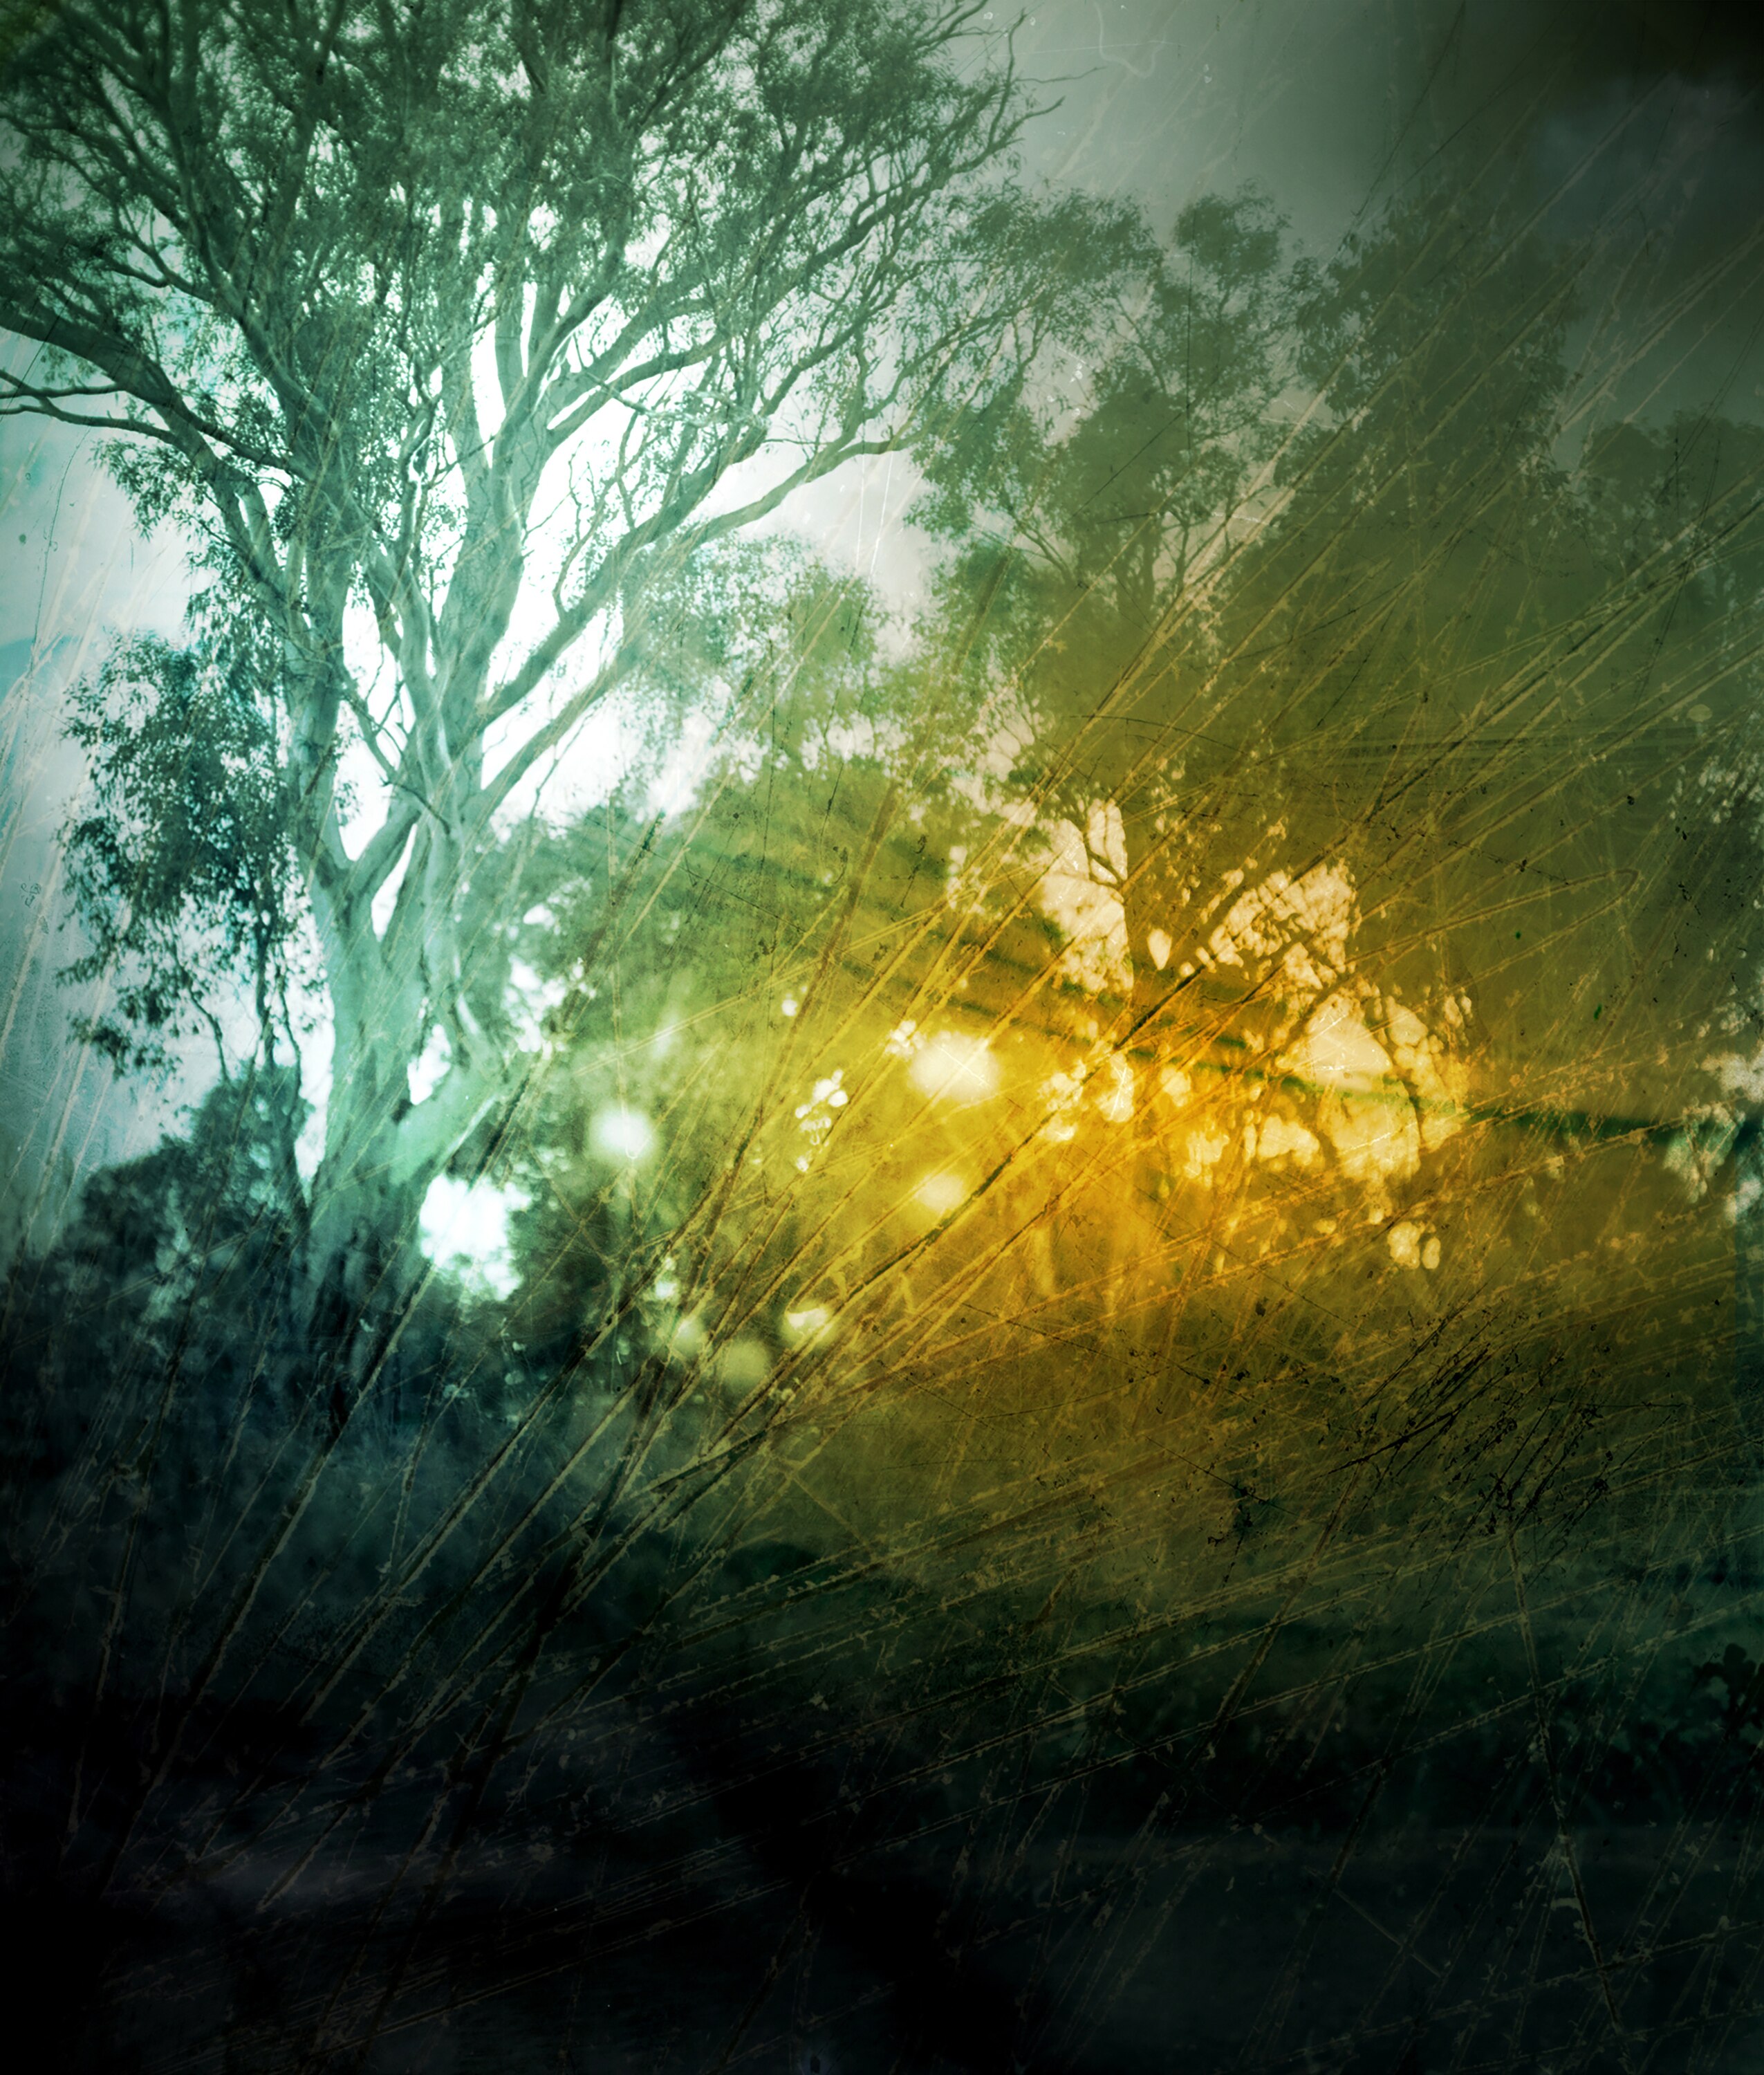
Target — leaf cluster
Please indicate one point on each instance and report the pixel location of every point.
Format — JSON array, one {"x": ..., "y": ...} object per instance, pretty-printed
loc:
[{"x": 183, "y": 876}]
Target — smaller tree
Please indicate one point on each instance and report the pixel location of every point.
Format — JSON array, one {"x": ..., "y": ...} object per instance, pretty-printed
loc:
[
  {"x": 1214, "y": 600},
  {"x": 180, "y": 859},
  {"x": 1090, "y": 535}
]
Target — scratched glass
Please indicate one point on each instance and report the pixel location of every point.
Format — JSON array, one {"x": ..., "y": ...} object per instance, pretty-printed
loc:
[{"x": 882, "y": 1008}]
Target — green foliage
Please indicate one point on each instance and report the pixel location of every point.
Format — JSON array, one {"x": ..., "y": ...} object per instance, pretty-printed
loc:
[
  {"x": 473, "y": 330},
  {"x": 1090, "y": 508},
  {"x": 753, "y": 641},
  {"x": 180, "y": 857}
]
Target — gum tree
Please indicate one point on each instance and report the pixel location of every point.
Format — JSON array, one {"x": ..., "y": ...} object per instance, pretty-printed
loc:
[
  {"x": 1091, "y": 517},
  {"x": 1192, "y": 581},
  {"x": 455, "y": 335},
  {"x": 1292, "y": 613}
]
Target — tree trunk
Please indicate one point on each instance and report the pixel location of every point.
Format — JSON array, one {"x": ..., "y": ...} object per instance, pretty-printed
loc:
[
  {"x": 364, "y": 1265},
  {"x": 1149, "y": 911},
  {"x": 363, "y": 1269},
  {"x": 1749, "y": 1333}
]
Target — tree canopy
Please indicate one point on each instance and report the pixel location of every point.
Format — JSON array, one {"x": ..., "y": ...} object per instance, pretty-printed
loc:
[{"x": 453, "y": 335}]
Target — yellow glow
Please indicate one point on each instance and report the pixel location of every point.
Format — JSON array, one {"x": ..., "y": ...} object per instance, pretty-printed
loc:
[
  {"x": 952, "y": 1068},
  {"x": 1079, "y": 891},
  {"x": 1411, "y": 1247},
  {"x": 1336, "y": 1050},
  {"x": 809, "y": 1324},
  {"x": 1115, "y": 1104},
  {"x": 941, "y": 1193}
]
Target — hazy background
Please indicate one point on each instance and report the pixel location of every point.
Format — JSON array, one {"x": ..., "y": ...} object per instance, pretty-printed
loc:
[{"x": 1637, "y": 126}]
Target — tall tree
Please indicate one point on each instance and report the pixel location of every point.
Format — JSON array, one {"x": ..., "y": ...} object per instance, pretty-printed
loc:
[
  {"x": 453, "y": 333},
  {"x": 1091, "y": 516}
]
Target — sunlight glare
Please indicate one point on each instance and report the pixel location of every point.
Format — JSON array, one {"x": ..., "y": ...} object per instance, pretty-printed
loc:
[
  {"x": 623, "y": 1134},
  {"x": 952, "y": 1068},
  {"x": 464, "y": 1227},
  {"x": 941, "y": 1193}
]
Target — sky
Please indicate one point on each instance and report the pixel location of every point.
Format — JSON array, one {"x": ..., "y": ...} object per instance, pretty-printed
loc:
[{"x": 1636, "y": 127}]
